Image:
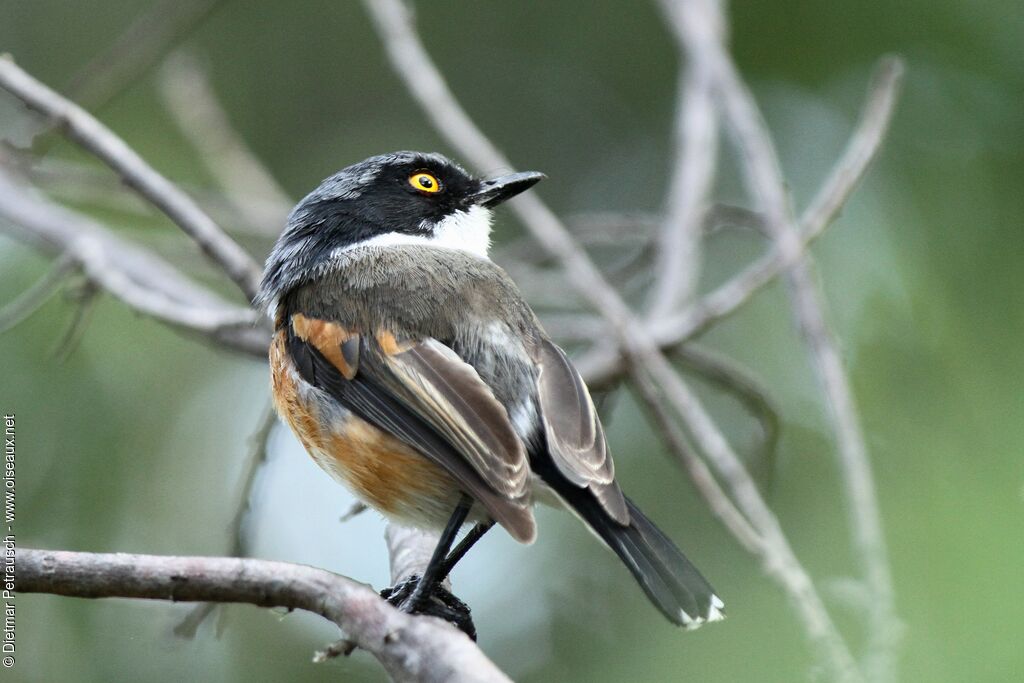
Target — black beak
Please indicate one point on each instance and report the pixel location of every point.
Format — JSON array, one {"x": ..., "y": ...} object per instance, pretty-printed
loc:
[{"x": 495, "y": 191}]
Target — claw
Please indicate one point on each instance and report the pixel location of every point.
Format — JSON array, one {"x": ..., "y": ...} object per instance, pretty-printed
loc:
[{"x": 438, "y": 602}]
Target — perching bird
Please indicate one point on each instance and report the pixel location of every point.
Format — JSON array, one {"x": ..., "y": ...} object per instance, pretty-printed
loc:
[{"x": 413, "y": 372}]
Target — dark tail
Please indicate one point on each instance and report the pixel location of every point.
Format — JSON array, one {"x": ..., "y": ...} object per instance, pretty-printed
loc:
[{"x": 671, "y": 582}]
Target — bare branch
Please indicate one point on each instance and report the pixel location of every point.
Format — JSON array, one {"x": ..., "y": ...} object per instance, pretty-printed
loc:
[
  {"x": 409, "y": 553},
  {"x": 620, "y": 230},
  {"x": 693, "y": 21},
  {"x": 860, "y": 151},
  {"x": 720, "y": 215},
  {"x": 846, "y": 174},
  {"x": 136, "y": 276},
  {"x": 397, "y": 640},
  {"x": 765, "y": 181},
  {"x": 602, "y": 364},
  {"x": 190, "y": 98},
  {"x": 779, "y": 560},
  {"x": 92, "y": 135},
  {"x": 696, "y": 154}
]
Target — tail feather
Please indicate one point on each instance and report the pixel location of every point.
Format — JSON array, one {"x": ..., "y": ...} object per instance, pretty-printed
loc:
[{"x": 670, "y": 580}]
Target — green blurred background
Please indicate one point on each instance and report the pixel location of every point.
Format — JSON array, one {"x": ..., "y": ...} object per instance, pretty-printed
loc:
[{"x": 136, "y": 442}]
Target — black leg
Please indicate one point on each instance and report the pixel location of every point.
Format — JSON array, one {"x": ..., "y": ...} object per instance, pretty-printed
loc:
[
  {"x": 432, "y": 575},
  {"x": 474, "y": 535}
]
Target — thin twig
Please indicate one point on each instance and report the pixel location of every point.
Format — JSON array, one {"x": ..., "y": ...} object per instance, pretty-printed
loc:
[
  {"x": 677, "y": 262},
  {"x": 201, "y": 118},
  {"x": 99, "y": 140},
  {"x": 704, "y": 481},
  {"x": 357, "y": 508},
  {"x": 253, "y": 464},
  {"x": 861, "y": 149},
  {"x": 243, "y": 506},
  {"x": 396, "y": 639},
  {"x": 612, "y": 227},
  {"x": 733, "y": 379},
  {"x": 86, "y": 183},
  {"x": 863, "y": 146},
  {"x": 85, "y": 304},
  {"x": 33, "y": 298},
  {"x": 573, "y": 328}
]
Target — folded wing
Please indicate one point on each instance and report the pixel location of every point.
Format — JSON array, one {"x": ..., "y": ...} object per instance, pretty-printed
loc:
[
  {"x": 425, "y": 395},
  {"x": 573, "y": 429}
]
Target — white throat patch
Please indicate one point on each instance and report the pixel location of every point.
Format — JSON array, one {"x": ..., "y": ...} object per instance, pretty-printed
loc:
[{"x": 468, "y": 230}]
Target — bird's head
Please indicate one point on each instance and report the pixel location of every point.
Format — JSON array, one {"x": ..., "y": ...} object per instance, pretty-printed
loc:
[{"x": 391, "y": 199}]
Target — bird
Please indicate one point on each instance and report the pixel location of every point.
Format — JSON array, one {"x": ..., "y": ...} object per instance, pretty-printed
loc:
[{"x": 413, "y": 371}]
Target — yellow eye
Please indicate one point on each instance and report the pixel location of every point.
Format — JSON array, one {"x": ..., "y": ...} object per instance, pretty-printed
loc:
[{"x": 425, "y": 182}]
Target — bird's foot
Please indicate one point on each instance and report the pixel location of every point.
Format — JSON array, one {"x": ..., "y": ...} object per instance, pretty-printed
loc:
[{"x": 436, "y": 602}]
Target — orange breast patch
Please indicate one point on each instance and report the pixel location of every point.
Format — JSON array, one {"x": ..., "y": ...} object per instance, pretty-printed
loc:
[
  {"x": 379, "y": 468},
  {"x": 386, "y": 473}
]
